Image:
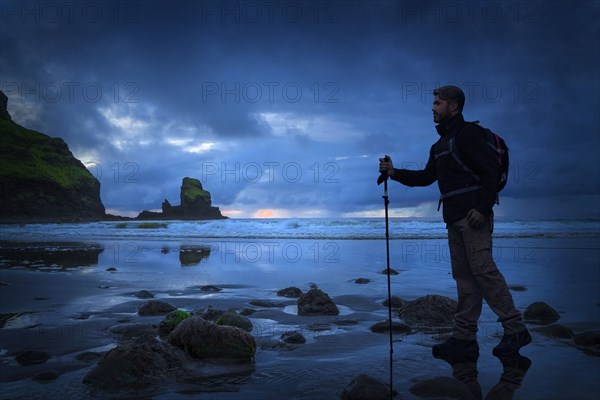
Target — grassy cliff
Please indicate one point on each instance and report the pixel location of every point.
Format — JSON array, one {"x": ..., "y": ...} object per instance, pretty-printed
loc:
[{"x": 41, "y": 180}]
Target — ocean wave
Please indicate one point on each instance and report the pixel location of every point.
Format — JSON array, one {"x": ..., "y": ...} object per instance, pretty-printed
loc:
[{"x": 314, "y": 229}]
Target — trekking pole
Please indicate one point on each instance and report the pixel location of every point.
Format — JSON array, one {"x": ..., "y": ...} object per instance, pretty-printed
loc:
[{"x": 384, "y": 178}]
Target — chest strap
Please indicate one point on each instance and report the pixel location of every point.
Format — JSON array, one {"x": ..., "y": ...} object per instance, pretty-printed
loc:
[{"x": 455, "y": 192}]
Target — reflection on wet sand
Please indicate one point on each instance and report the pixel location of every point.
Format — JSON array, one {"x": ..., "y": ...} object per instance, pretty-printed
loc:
[
  {"x": 191, "y": 255},
  {"x": 515, "y": 367},
  {"x": 49, "y": 255}
]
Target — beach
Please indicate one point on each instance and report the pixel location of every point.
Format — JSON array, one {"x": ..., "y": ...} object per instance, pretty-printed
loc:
[{"x": 62, "y": 293}]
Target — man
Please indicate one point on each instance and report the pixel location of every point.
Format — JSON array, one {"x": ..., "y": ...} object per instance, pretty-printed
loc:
[{"x": 468, "y": 195}]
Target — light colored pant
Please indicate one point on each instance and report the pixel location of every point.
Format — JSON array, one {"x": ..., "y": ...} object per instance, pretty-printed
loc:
[{"x": 477, "y": 277}]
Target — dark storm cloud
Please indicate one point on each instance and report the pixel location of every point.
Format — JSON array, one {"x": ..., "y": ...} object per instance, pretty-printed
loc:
[{"x": 329, "y": 86}]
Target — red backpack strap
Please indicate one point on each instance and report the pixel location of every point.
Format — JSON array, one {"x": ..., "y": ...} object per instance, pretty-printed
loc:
[{"x": 497, "y": 139}]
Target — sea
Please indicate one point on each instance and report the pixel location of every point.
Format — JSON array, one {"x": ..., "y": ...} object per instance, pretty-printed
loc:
[{"x": 290, "y": 228}]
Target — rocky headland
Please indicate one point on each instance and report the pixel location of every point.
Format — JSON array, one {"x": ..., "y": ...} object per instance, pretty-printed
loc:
[
  {"x": 195, "y": 205},
  {"x": 41, "y": 180}
]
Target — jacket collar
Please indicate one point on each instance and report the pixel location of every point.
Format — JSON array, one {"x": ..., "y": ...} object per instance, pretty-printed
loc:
[{"x": 450, "y": 125}]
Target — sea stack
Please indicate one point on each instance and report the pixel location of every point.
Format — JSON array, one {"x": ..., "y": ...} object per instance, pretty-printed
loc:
[{"x": 195, "y": 204}]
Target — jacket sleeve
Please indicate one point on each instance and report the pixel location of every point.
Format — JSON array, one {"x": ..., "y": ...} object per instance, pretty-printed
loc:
[
  {"x": 472, "y": 143},
  {"x": 424, "y": 177}
]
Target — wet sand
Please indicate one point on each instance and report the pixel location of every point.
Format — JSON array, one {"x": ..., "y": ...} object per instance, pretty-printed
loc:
[{"x": 66, "y": 308}]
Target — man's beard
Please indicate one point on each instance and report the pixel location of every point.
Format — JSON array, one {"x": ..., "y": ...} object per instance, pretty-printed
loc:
[{"x": 441, "y": 117}]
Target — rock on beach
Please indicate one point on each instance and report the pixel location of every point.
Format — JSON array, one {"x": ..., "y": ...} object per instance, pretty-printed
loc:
[
  {"x": 167, "y": 325},
  {"x": 137, "y": 364},
  {"x": 365, "y": 387},
  {"x": 442, "y": 387},
  {"x": 557, "y": 331},
  {"x": 32, "y": 357},
  {"x": 429, "y": 309},
  {"x": 204, "y": 339},
  {"x": 588, "y": 341},
  {"x": 292, "y": 292},
  {"x": 232, "y": 318},
  {"x": 316, "y": 302},
  {"x": 540, "y": 313},
  {"x": 143, "y": 294},
  {"x": 294, "y": 337},
  {"x": 155, "y": 307},
  {"x": 209, "y": 313},
  {"x": 384, "y": 326},
  {"x": 132, "y": 329}
]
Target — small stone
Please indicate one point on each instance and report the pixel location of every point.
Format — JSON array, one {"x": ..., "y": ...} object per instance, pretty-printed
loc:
[
  {"x": 155, "y": 307},
  {"x": 132, "y": 329},
  {"x": 384, "y": 326},
  {"x": 247, "y": 311},
  {"x": 210, "y": 288},
  {"x": 365, "y": 387},
  {"x": 540, "y": 313},
  {"x": 397, "y": 302},
  {"x": 319, "y": 327},
  {"x": 293, "y": 338},
  {"x": 556, "y": 330},
  {"x": 46, "y": 376},
  {"x": 441, "y": 387},
  {"x": 587, "y": 338},
  {"x": 143, "y": 294},
  {"x": 346, "y": 322},
  {"x": 88, "y": 356},
  {"x": 517, "y": 288},
  {"x": 81, "y": 316},
  {"x": 362, "y": 281},
  {"x": 111, "y": 269},
  {"x": 266, "y": 303},
  {"x": 391, "y": 271},
  {"x": 292, "y": 292},
  {"x": 31, "y": 357}
]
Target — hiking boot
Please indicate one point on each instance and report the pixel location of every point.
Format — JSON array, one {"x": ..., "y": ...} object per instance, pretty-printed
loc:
[
  {"x": 512, "y": 343},
  {"x": 515, "y": 361},
  {"x": 455, "y": 351}
]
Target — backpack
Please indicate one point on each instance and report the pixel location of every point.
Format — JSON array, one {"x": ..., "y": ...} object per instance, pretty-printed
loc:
[{"x": 499, "y": 151}]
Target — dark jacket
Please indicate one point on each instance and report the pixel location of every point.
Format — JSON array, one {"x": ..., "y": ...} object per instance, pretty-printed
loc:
[{"x": 442, "y": 166}]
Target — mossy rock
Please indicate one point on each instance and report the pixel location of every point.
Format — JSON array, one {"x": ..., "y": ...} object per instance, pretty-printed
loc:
[{"x": 171, "y": 321}]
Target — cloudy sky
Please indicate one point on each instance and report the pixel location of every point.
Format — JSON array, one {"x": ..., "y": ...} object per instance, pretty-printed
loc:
[{"x": 282, "y": 108}]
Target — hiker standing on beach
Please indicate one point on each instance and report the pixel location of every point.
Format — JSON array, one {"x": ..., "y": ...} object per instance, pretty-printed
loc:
[{"x": 468, "y": 196}]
